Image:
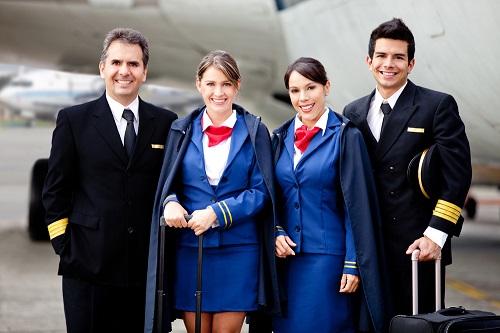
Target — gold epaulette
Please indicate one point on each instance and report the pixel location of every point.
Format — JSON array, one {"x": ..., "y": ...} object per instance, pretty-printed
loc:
[{"x": 57, "y": 228}]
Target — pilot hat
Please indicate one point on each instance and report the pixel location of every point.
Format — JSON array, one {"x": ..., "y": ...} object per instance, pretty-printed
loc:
[{"x": 424, "y": 172}]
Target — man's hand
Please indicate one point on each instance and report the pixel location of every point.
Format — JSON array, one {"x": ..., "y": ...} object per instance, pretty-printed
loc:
[
  {"x": 284, "y": 246},
  {"x": 428, "y": 249}
]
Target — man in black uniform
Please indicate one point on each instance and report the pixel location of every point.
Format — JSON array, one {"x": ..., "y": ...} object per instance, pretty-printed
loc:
[
  {"x": 103, "y": 172},
  {"x": 400, "y": 120}
]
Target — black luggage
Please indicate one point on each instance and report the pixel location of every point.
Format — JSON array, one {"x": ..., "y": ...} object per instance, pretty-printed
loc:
[{"x": 449, "y": 320}]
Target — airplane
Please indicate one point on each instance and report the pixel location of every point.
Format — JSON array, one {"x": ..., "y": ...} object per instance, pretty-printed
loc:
[
  {"x": 456, "y": 48},
  {"x": 7, "y": 71},
  {"x": 40, "y": 94}
]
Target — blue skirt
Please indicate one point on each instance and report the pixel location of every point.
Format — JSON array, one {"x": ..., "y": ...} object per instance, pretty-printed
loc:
[
  {"x": 229, "y": 279},
  {"x": 312, "y": 283}
]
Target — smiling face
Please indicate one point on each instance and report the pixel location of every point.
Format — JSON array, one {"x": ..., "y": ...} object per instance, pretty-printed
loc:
[
  {"x": 123, "y": 71},
  {"x": 308, "y": 98},
  {"x": 389, "y": 65},
  {"x": 218, "y": 93}
]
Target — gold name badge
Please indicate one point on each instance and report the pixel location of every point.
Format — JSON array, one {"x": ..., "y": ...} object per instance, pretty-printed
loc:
[{"x": 416, "y": 130}]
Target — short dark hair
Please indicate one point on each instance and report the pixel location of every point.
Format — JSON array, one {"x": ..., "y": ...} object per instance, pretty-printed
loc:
[
  {"x": 309, "y": 68},
  {"x": 393, "y": 29},
  {"x": 127, "y": 36}
]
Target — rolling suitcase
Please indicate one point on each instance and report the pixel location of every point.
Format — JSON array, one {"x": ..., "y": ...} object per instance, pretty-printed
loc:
[{"x": 449, "y": 320}]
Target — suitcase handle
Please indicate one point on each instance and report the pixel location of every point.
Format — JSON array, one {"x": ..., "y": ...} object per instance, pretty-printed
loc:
[
  {"x": 453, "y": 311},
  {"x": 414, "y": 281}
]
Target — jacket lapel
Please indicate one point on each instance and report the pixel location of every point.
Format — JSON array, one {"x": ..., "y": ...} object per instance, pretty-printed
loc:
[
  {"x": 238, "y": 137},
  {"x": 319, "y": 139},
  {"x": 289, "y": 141},
  {"x": 106, "y": 126},
  {"x": 359, "y": 118},
  {"x": 398, "y": 119},
  {"x": 145, "y": 132},
  {"x": 197, "y": 136}
]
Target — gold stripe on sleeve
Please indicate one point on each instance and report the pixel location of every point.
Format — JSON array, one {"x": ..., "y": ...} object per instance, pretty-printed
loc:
[
  {"x": 224, "y": 214},
  {"x": 447, "y": 211},
  {"x": 171, "y": 196},
  {"x": 350, "y": 264},
  {"x": 229, "y": 212},
  {"x": 57, "y": 228}
]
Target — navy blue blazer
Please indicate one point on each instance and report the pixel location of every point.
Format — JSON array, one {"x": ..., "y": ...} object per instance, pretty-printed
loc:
[
  {"x": 237, "y": 197},
  {"x": 359, "y": 194},
  {"x": 106, "y": 199},
  {"x": 181, "y": 134},
  {"x": 328, "y": 229}
]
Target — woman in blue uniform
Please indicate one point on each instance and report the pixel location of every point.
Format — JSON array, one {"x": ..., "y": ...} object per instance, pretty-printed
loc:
[
  {"x": 329, "y": 231},
  {"x": 218, "y": 168}
]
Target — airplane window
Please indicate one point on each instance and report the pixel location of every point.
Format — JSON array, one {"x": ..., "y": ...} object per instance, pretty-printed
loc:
[
  {"x": 21, "y": 83},
  {"x": 283, "y": 4}
]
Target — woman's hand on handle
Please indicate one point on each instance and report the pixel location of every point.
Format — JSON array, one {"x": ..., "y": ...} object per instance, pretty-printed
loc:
[
  {"x": 174, "y": 215},
  {"x": 201, "y": 220}
]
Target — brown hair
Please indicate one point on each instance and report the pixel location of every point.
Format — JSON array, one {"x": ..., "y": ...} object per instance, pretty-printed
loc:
[{"x": 223, "y": 61}]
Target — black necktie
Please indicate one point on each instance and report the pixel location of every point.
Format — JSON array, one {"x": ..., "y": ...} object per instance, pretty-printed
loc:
[
  {"x": 129, "y": 140},
  {"x": 386, "y": 109}
]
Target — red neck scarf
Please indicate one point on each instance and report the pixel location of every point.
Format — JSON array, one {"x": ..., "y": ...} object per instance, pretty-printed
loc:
[
  {"x": 303, "y": 137},
  {"x": 217, "y": 134}
]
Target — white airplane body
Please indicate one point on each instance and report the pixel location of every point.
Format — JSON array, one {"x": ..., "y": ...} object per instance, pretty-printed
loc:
[
  {"x": 456, "y": 44},
  {"x": 40, "y": 94}
]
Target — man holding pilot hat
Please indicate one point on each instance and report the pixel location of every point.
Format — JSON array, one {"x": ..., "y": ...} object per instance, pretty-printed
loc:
[{"x": 421, "y": 161}]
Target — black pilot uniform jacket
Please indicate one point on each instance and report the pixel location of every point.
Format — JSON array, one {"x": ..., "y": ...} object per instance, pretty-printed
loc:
[
  {"x": 420, "y": 118},
  {"x": 99, "y": 203}
]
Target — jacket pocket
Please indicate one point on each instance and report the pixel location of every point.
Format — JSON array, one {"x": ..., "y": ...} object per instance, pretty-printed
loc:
[{"x": 84, "y": 220}]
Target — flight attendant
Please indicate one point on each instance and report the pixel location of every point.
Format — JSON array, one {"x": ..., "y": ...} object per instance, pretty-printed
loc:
[
  {"x": 329, "y": 231},
  {"x": 218, "y": 168}
]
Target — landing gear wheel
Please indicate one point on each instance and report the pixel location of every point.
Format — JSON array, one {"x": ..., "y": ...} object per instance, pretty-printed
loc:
[
  {"x": 37, "y": 228},
  {"x": 470, "y": 208}
]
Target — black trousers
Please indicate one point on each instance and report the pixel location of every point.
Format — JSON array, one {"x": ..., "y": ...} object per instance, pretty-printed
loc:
[
  {"x": 95, "y": 308},
  {"x": 401, "y": 288}
]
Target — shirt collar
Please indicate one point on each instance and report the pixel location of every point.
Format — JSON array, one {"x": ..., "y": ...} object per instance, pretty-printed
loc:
[
  {"x": 378, "y": 99},
  {"x": 206, "y": 121},
  {"x": 321, "y": 123},
  {"x": 117, "y": 108}
]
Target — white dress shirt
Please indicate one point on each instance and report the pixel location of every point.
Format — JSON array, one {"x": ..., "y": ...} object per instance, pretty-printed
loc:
[
  {"x": 321, "y": 123},
  {"x": 117, "y": 111},
  {"x": 375, "y": 115},
  {"x": 216, "y": 156}
]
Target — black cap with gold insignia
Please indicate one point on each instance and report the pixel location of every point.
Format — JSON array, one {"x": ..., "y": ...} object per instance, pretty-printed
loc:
[
  {"x": 424, "y": 172},
  {"x": 424, "y": 176}
]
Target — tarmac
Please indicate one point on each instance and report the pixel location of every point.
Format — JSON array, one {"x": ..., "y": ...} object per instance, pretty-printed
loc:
[{"x": 30, "y": 289}]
